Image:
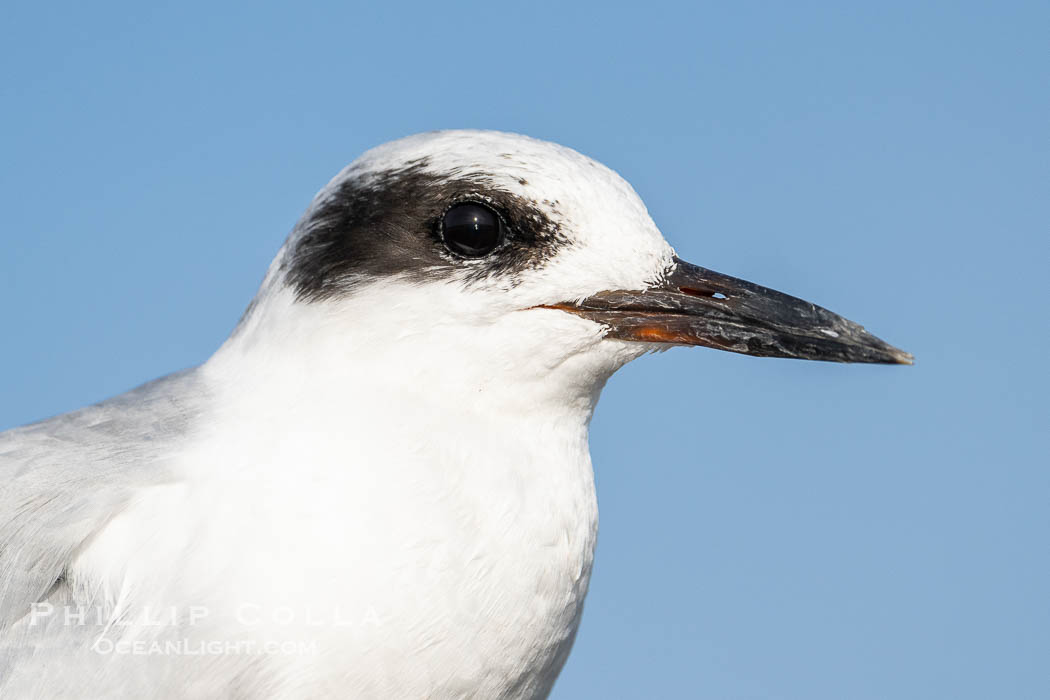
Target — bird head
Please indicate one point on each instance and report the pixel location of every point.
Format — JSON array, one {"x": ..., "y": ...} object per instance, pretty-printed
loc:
[{"x": 468, "y": 252}]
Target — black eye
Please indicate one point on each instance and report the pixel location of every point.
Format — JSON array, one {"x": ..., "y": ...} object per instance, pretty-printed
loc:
[{"x": 471, "y": 230}]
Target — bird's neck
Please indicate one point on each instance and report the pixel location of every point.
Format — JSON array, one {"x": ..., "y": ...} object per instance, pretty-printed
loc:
[{"x": 344, "y": 358}]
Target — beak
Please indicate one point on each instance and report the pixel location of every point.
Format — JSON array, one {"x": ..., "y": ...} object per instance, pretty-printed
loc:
[{"x": 695, "y": 306}]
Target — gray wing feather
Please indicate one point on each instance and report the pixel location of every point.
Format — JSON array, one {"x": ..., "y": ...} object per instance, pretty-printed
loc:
[{"x": 63, "y": 479}]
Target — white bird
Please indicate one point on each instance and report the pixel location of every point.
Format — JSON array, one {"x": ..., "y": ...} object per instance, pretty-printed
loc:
[{"x": 380, "y": 485}]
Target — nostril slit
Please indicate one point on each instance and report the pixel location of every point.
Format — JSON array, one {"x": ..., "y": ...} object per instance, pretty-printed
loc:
[{"x": 703, "y": 293}]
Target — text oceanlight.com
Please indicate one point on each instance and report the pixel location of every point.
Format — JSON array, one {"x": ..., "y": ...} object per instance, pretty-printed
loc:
[{"x": 197, "y": 647}]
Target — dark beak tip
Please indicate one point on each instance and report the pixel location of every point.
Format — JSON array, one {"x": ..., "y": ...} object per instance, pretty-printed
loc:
[
  {"x": 888, "y": 354},
  {"x": 899, "y": 357},
  {"x": 903, "y": 358}
]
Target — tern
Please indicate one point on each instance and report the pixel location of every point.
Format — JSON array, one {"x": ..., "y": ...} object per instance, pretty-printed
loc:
[{"x": 379, "y": 486}]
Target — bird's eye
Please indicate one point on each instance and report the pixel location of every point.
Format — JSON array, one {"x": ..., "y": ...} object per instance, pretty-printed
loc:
[{"x": 472, "y": 230}]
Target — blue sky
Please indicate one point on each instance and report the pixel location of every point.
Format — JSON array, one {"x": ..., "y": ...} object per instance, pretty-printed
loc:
[{"x": 770, "y": 528}]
